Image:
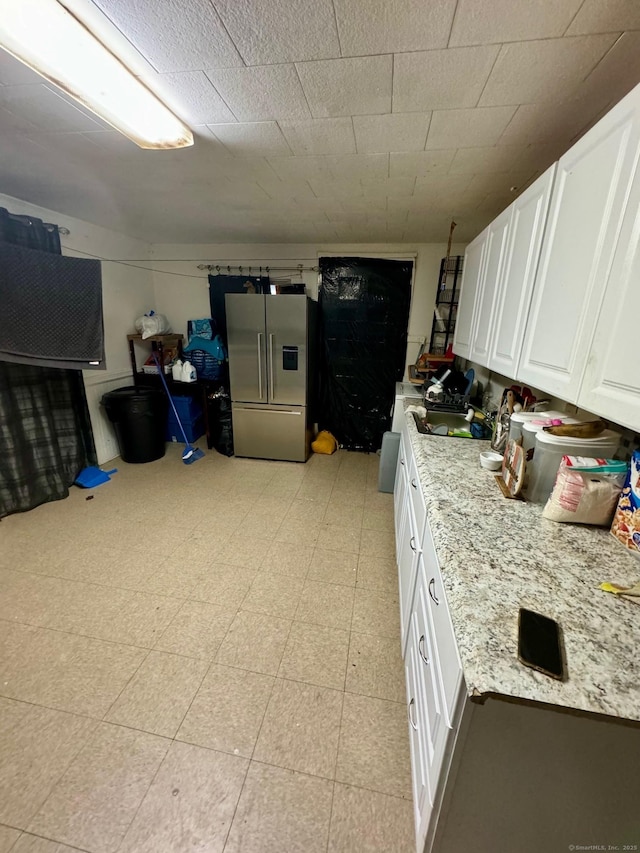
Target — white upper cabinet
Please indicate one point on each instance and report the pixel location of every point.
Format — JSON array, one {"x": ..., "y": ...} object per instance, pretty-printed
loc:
[
  {"x": 587, "y": 203},
  {"x": 474, "y": 257},
  {"x": 488, "y": 286},
  {"x": 611, "y": 383},
  {"x": 528, "y": 217}
]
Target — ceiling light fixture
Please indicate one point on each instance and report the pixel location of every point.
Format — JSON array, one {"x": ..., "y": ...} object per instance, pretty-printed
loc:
[{"x": 54, "y": 43}]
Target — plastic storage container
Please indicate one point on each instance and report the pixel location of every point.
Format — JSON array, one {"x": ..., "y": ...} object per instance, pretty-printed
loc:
[
  {"x": 139, "y": 417},
  {"x": 388, "y": 461},
  {"x": 542, "y": 470},
  {"x": 530, "y": 430},
  {"x": 518, "y": 419}
]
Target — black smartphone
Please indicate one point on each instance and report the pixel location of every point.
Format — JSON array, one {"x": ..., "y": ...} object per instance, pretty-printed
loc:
[{"x": 540, "y": 644}]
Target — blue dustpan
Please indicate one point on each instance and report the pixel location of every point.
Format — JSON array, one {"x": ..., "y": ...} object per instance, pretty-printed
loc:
[{"x": 91, "y": 477}]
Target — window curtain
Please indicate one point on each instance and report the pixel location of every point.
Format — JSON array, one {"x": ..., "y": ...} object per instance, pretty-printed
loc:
[{"x": 45, "y": 430}]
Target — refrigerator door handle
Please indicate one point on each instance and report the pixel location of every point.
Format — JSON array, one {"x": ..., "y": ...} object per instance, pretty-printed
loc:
[
  {"x": 260, "y": 365},
  {"x": 271, "y": 384},
  {"x": 268, "y": 411}
]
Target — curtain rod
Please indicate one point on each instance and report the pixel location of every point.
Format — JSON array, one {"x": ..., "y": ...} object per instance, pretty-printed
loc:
[{"x": 267, "y": 269}]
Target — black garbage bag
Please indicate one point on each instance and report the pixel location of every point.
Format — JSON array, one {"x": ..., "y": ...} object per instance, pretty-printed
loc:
[{"x": 221, "y": 425}]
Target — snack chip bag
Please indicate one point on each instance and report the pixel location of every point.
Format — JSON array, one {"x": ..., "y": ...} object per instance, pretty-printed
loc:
[{"x": 626, "y": 521}]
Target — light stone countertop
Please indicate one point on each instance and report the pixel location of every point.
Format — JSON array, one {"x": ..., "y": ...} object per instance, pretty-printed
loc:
[{"x": 497, "y": 555}]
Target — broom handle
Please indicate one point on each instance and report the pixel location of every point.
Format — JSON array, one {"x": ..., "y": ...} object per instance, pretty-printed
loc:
[{"x": 173, "y": 405}]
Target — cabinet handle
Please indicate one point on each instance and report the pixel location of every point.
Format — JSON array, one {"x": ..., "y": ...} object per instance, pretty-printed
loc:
[
  {"x": 260, "y": 365},
  {"x": 421, "y": 650},
  {"x": 413, "y": 483},
  {"x": 413, "y": 725},
  {"x": 412, "y": 544},
  {"x": 401, "y": 461},
  {"x": 432, "y": 586}
]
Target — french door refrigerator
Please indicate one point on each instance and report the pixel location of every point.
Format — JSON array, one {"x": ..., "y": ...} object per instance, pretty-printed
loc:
[{"x": 271, "y": 341}]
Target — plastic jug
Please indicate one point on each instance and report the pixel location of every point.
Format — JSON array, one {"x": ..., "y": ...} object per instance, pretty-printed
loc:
[
  {"x": 188, "y": 372},
  {"x": 176, "y": 370}
]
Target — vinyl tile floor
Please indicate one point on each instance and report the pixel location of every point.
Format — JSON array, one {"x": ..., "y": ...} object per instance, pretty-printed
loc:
[{"x": 205, "y": 658}]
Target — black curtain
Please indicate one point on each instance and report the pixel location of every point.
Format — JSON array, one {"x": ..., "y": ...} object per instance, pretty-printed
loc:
[
  {"x": 364, "y": 313},
  {"x": 45, "y": 429}
]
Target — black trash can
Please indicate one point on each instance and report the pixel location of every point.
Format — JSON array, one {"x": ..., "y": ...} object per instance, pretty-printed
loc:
[{"x": 139, "y": 416}]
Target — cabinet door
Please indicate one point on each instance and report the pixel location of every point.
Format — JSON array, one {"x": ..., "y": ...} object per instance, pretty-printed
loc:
[
  {"x": 407, "y": 568},
  {"x": 611, "y": 384},
  {"x": 400, "y": 490},
  {"x": 448, "y": 666},
  {"x": 471, "y": 277},
  {"x": 419, "y": 759},
  {"x": 496, "y": 242},
  {"x": 528, "y": 217},
  {"x": 586, "y": 210}
]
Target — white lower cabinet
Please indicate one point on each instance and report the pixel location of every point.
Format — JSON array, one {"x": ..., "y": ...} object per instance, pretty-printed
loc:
[
  {"x": 432, "y": 667},
  {"x": 408, "y": 554},
  {"x": 422, "y": 801}
]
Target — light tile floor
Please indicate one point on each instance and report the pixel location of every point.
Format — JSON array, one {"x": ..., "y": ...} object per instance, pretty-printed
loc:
[{"x": 205, "y": 657}]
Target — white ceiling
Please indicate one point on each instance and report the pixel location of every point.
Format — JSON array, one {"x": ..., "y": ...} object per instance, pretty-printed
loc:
[{"x": 323, "y": 120}]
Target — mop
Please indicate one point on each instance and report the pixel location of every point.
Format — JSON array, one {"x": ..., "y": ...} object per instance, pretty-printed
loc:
[{"x": 191, "y": 454}]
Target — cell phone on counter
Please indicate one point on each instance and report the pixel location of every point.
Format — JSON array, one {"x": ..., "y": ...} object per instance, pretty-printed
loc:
[{"x": 540, "y": 644}]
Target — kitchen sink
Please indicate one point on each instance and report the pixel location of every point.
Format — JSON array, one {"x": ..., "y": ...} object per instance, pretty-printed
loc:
[{"x": 456, "y": 424}]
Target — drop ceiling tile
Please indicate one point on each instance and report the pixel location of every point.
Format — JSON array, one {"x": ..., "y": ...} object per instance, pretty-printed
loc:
[
  {"x": 605, "y": 16},
  {"x": 344, "y": 87},
  {"x": 495, "y": 21},
  {"x": 358, "y": 166},
  {"x": 468, "y": 128},
  {"x": 380, "y": 26},
  {"x": 191, "y": 95},
  {"x": 246, "y": 139},
  {"x": 411, "y": 163},
  {"x": 320, "y": 136},
  {"x": 441, "y": 79},
  {"x": 43, "y": 107},
  {"x": 615, "y": 75},
  {"x": 281, "y": 190},
  {"x": 15, "y": 122},
  {"x": 484, "y": 183},
  {"x": 488, "y": 160},
  {"x": 393, "y": 132},
  {"x": 299, "y": 168},
  {"x": 374, "y": 187},
  {"x": 261, "y": 93},
  {"x": 534, "y": 123},
  {"x": 173, "y": 35},
  {"x": 441, "y": 186},
  {"x": 549, "y": 70},
  {"x": 336, "y": 189},
  {"x": 15, "y": 73},
  {"x": 279, "y": 30}
]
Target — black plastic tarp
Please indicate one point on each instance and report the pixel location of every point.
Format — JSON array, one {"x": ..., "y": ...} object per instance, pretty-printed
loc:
[{"x": 364, "y": 313}]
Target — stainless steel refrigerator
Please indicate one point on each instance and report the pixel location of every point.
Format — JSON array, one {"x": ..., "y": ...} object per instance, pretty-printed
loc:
[{"x": 271, "y": 341}]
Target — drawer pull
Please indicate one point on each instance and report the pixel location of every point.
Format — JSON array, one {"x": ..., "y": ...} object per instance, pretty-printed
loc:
[
  {"x": 413, "y": 483},
  {"x": 412, "y": 544},
  {"x": 432, "y": 586},
  {"x": 413, "y": 725},
  {"x": 421, "y": 650}
]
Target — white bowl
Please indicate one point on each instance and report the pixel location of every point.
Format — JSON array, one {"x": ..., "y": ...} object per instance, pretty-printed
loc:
[{"x": 491, "y": 460}]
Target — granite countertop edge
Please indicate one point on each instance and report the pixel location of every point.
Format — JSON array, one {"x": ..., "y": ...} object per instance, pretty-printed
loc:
[{"x": 497, "y": 555}]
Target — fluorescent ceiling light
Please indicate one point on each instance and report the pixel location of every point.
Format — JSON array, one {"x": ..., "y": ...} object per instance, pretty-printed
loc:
[{"x": 51, "y": 41}]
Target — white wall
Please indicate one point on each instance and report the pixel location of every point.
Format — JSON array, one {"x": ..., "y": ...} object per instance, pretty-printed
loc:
[
  {"x": 184, "y": 298},
  {"x": 126, "y": 293}
]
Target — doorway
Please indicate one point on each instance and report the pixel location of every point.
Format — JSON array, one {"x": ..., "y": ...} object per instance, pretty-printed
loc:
[{"x": 363, "y": 318}]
